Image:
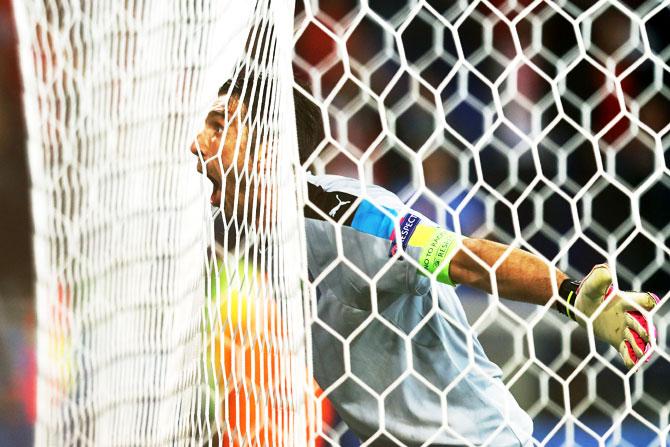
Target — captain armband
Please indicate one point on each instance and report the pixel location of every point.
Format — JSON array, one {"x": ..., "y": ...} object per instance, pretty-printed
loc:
[{"x": 436, "y": 245}]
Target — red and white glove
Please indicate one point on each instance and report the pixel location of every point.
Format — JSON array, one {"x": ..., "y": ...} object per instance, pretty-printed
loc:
[{"x": 619, "y": 323}]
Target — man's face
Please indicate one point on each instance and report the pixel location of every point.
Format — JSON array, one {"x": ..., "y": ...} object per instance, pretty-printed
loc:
[{"x": 222, "y": 144}]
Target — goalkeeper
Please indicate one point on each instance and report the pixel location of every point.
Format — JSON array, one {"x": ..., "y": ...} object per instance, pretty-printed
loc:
[{"x": 426, "y": 262}]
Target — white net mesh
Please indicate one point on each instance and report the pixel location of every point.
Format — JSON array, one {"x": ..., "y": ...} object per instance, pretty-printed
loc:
[
  {"x": 255, "y": 339},
  {"x": 539, "y": 124},
  {"x": 133, "y": 349}
]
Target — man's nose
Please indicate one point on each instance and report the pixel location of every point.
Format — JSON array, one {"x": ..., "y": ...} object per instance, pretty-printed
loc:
[{"x": 197, "y": 144}]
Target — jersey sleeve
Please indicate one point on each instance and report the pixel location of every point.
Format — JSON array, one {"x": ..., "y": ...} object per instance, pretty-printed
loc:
[
  {"x": 380, "y": 213},
  {"x": 431, "y": 246}
]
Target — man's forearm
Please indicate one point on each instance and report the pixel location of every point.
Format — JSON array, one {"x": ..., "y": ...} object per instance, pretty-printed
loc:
[{"x": 522, "y": 276}]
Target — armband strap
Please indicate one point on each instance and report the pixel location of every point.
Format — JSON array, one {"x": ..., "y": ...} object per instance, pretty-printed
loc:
[
  {"x": 567, "y": 291},
  {"x": 436, "y": 246}
]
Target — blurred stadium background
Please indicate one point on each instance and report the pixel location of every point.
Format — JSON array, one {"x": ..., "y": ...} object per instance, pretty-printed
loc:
[{"x": 448, "y": 172}]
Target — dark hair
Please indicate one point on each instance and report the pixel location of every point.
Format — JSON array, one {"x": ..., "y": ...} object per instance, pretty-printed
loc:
[{"x": 309, "y": 125}]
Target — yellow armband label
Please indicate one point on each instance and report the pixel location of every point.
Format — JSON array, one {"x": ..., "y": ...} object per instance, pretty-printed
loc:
[{"x": 436, "y": 246}]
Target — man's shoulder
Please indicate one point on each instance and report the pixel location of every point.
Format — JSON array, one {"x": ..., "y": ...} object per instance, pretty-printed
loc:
[
  {"x": 335, "y": 196},
  {"x": 326, "y": 191}
]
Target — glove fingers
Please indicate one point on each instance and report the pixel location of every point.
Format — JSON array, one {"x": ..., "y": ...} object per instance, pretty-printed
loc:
[
  {"x": 625, "y": 355},
  {"x": 630, "y": 338},
  {"x": 596, "y": 283},
  {"x": 636, "y": 325},
  {"x": 646, "y": 301}
]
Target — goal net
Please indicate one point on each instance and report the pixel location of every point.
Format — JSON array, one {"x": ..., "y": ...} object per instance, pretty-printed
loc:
[
  {"x": 152, "y": 330},
  {"x": 177, "y": 310},
  {"x": 540, "y": 124}
]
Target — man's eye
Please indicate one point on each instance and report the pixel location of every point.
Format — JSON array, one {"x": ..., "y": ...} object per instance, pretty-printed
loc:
[{"x": 218, "y": 129}]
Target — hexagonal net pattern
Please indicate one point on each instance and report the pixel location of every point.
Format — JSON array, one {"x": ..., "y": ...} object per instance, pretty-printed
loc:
[
  {"x": 544, "y": 125},
  {"x": 151, "y": 331}
]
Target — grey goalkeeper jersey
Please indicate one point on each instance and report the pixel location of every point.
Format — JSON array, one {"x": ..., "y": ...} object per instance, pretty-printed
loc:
[{"x": 397, "y": 357}]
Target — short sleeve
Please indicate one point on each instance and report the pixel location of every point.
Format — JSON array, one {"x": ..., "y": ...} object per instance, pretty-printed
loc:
[{"x": 378, "y": 213}]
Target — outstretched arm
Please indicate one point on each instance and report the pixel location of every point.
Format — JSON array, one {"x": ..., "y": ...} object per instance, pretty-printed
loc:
[
  {"x": 615, "y": 316},
  {"x": 521, "y": 276}
]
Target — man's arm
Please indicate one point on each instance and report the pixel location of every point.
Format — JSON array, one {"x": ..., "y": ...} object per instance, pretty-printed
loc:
[
  {"x": 593, "y": 302},
  {"x": 613, "y": 315},
  {"x": 522, "y": 276}
]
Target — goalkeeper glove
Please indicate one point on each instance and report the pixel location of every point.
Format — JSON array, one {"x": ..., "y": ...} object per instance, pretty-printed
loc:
[{"x": 619, "y": 323}]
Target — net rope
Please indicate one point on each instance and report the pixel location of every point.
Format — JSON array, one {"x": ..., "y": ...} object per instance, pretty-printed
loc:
[
  {"x": 540, "y": 124},
  {"x": 151, "y": 331}
]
